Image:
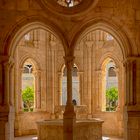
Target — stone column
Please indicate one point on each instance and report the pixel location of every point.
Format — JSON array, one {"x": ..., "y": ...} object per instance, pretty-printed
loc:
[
  {"x": 89, "y": 50},
  {"x": 11, "y": 120},
  {"x": 6, "y": 108},
  {"x": 132, "y": 105},
  {"x": 20, "y": 105},
  {"x": 60, "y": 88},
  {"x": 69, "y": 116},
  {"x": 53, "y": 65},
  {"x": 103, "y": 90},
  {"x": 37, "y": 75},
  {"x": 6, "y": 66},
  {"x": 11, "y": 84},
  {"x": 119, "y": 88},
  {"x": 98, "y": 90},
  {"x": 130, "y": 68},
  {"x": 4, "y": 112},
  {"x": 80, "y": 75},
  {"x": 4, "y": 103}
]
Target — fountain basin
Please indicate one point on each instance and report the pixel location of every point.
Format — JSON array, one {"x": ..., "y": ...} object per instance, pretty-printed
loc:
[{"x": 85, "y": 129}]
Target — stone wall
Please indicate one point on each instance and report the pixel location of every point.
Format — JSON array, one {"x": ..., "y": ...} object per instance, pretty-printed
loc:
[{"x": 121, "y": 18}]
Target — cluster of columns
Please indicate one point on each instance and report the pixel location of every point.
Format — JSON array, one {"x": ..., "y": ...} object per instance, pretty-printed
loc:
[
  {"x": 132, "y": 99},
  {"x": 6, "y": 98},
  {"x": 132, "y": 113}
]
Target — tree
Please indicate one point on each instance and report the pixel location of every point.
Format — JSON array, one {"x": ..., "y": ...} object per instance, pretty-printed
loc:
[
  {"x": 28, "y": 98},
  {"x": 112, "y": 97}
]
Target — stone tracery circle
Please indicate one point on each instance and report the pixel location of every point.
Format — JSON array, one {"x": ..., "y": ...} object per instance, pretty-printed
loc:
[{"x": 67, "y": 7}]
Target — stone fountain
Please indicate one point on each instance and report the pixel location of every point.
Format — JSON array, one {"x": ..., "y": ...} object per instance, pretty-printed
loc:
[{"x": 85, "y": 128}]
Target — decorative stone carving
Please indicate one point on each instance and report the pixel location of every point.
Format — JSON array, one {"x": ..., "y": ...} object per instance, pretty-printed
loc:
[
  {"x": 68, "y": 3},
  {"x": 62, "y": 7}
]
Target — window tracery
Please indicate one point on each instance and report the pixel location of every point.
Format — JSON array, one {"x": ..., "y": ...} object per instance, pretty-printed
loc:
[{"x": 68, "y": 3}]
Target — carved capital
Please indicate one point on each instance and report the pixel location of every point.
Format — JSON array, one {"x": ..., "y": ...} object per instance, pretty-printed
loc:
[
  {"x": 69, "y": 61},
  {"x": 89, "y": 43},
  {"x": 60, "y": 74},
  {"x": 7, "y": 62},
  {"x": 52, "y": 45}
]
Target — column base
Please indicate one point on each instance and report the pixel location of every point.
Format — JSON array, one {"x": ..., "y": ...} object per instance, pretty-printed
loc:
[{"x": 4, "y": 114}]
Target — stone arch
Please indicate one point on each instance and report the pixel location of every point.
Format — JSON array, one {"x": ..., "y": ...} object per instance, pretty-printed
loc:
[
  {"x": 37, "y": 81},
  {"x": 104, "y": 25},
  {"x": 21, "y": 28},
  {"x": 35, "y": 62},
  {"x": 108, "y": 56},
  {"x": 103, "y": 79},
  {"x": 119, "y": 72}
]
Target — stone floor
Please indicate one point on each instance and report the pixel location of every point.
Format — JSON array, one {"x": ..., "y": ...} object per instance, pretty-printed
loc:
[{"x": 35, "y": 138}]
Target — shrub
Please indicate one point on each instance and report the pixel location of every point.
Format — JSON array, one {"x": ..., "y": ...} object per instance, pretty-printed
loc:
[
  {"x": 112, "y": 98},
  {"x": 28, "y": 98}
]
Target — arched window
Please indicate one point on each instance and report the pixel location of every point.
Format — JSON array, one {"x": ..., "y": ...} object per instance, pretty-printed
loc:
[
  {"x": 75, "y": 86},
  {"x": 109, "y": 86},
  {"x": 28, "y": 86}
]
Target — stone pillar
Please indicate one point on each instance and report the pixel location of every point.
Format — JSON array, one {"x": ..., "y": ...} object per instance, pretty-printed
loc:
[
  {"x": 103, "y": 90},
  {"x": 6, "y": 82},
  {"x": 10, "y": 124},
  {"x": 80, "y": 75},
  {"x": 69, "y": 116},
  {"x": 4, "y": 107},
  {"x": 37, "y": 75},
  {"x": 4, "y": 112},
  {"x": 11, "y": 84},
  {"x": 53, "y": 73},
  {"x": 98, "y": 90},
  {"x": 89, "y": 50},
  {"x": 119, "y": 88},
  {"x": 6, "y": 96},
  {"x": 60, "y": 88},
  {"x": 130, "y": 68},
  {"x": 20, "y": 105},
  {"x": 132, "y": 105}
]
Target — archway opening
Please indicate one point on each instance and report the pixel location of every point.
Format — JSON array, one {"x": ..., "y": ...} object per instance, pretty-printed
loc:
[
  {"x": 110, "y": 86},
  {"x": 35, "y": 76},
  {"x": 75, "y": 86},
  {"x": 28, "y": 86},
  {"x": 100, "y": 58}
]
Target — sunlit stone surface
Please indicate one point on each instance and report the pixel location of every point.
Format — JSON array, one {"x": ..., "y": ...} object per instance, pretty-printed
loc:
[{"x": 86, "y": 129}]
